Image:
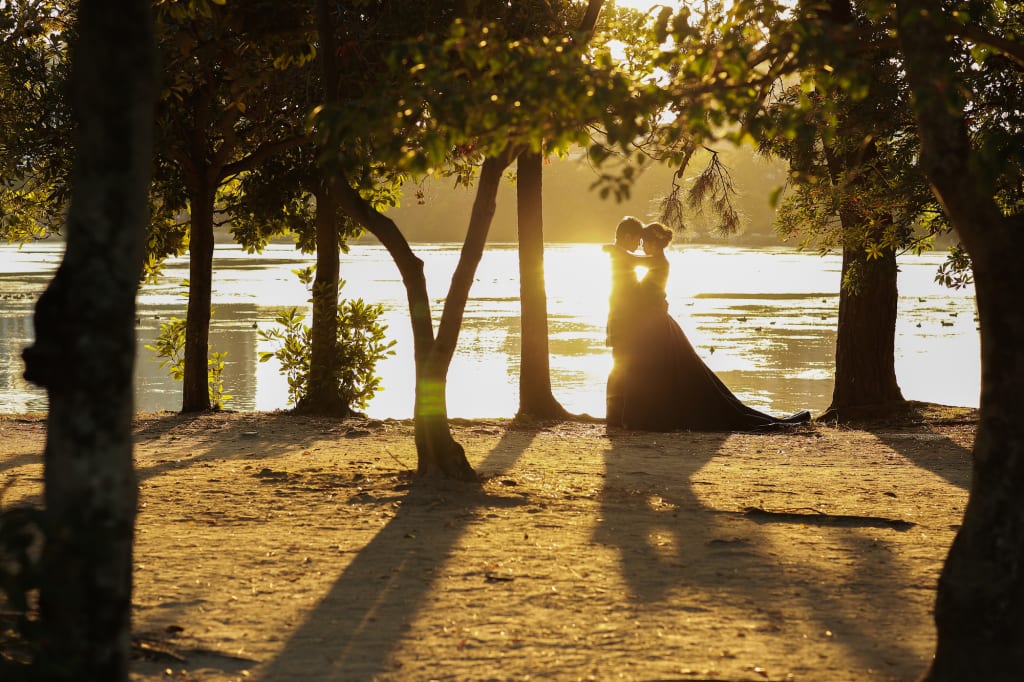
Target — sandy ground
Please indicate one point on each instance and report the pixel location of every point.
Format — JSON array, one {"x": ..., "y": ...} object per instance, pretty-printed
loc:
[{"x": 272, "y": 547}]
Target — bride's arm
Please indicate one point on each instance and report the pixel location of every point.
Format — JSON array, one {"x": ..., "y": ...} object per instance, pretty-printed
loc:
[
  {"x": 637, "y": 259},
  {"x": 633, "y": 258}
]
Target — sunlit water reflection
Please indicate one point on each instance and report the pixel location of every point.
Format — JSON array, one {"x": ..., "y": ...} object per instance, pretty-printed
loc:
[{"x": 763, "y": 319}]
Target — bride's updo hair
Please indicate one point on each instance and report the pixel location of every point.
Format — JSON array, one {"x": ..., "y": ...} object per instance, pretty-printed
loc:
[{"x": 656, "y": 233}]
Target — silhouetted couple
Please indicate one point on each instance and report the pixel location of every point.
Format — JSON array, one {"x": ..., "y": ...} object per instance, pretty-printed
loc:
[{"x": 658, "y": 382}]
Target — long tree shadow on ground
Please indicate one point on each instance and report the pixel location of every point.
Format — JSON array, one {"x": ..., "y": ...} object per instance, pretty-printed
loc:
[
  {"x": 679, "y": 554},
  {"x": 352, "y": 631},
  {"x": 251, "y": 435},
  {"x": 908, "y": 430},
  {"x": 933, "y": 452}
]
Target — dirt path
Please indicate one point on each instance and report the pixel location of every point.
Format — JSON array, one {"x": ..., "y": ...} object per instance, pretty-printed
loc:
[{"x": 280, "y": 548}]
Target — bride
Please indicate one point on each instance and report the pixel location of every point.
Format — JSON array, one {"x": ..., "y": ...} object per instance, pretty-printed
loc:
[{"x": 669, "y": 387}]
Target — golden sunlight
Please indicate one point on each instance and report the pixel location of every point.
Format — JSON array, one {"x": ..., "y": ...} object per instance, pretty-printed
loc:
[{"x": 644, "y": 5}]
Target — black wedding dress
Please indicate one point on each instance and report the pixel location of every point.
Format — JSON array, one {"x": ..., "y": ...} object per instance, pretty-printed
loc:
[{"x": 669, "y": 387}]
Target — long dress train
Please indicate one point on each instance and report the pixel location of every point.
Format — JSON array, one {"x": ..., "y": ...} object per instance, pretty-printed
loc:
[{"x": 669, "y": 386}]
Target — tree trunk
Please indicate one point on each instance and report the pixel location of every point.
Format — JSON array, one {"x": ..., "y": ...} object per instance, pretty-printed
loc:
[
  {"x": 865, "y": 345},
  {"x": 438, "y": 455},
  {"x": 322, "y": 395},
  {"x": 437, "y": 452},
  {"x": 865, "y": 375},
  {"x": 196, "y": 388},
  {"x": 589, "y": 21},
  {"x": 979, "y": 611},
  {"x": 85, "y": 349},
  {"x": 535, "y": 397}
]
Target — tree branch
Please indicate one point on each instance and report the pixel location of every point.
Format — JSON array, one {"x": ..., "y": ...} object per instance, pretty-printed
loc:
[
  {"x": 480, "y": 221},
  {"x": 409, "y": 265},
  {"x": 590, "y": 18},
  {"x": 262, "y": 153},
  {"x": 1010, "y": 49}
]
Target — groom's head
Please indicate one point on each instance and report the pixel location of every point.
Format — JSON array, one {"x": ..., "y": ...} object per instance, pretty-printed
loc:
[{"x": 628, "y": 233}]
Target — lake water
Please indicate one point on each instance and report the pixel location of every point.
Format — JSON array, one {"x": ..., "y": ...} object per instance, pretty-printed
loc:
[{"x": 763, "y": 319}]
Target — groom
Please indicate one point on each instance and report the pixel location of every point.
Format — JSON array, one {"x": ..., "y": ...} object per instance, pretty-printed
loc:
[{"x": 619, "y": 335}]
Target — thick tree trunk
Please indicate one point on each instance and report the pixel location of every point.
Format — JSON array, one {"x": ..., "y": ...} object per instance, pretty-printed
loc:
[
  {"x": 979, "y": 611},
  {"x": 535, "y": 397},
  {"x": 865, "y": 375},
  {"x": 865, "y": 345},
  {"x": 85, "y": 349},
  {"x": 195, "y": 385},
  {"x": 322, "y": 396}
]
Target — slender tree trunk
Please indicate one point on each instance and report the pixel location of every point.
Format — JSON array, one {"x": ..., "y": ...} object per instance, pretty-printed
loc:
[
  {"x": 436, "y": 450},
  {"x": 536, "y": 400},
  {"x": 979, "y": 611},
  {"x": 535, "y": 397},
  {"x": 589, "y": 21},
  {"x": 438, "y": 454},
  {"x": 85, "y": 349},
  {"x": 322, "y": 395},
  {"x": 196, "y": 389},
  {"x": 865, "y": 345},
  {"x": 444, "y": 457}
]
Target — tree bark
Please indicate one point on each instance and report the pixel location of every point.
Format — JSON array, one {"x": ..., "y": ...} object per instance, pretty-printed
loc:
[
  {"x": 443, "y": 457},
  {"x": 865, "y": 344},
  {"x": 85, "y": 349},
  {"x": 536, "y": 400},
  {"x": 438, "y": 454},
  {"x": 865, "y": 374},
  {"x": 322, "y": 395},
  {"x": 195, "y": 385},
  {"x": 979, "y": 610},
  {"x": 589, "y": 21}
]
